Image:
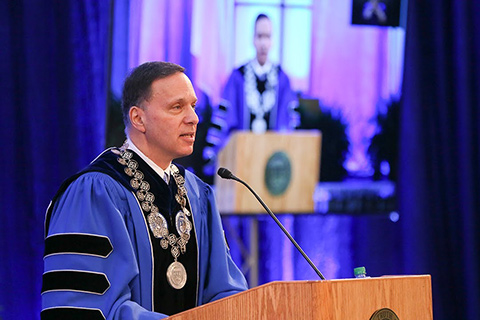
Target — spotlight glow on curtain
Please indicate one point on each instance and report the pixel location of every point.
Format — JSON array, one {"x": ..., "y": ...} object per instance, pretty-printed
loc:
[{"x": 353, "y": 68}]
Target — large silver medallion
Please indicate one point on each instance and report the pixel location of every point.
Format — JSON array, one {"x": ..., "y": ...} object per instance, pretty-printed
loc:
[
  {"x": 182, "y": 223},
  {"x": 158, "y": 224},
  {"x": 176, "y": 275},
  {"x": 259, "y": 125}
]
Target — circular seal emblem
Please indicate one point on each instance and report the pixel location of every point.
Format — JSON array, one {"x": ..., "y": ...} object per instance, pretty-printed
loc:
[
  {"x": 384, "y": 314},
  {"x": 278, "y": 173},
  {"x": 176, "y": 275}
]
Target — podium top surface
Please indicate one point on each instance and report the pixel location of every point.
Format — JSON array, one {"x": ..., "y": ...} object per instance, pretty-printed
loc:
[{"x": 408, "y": 297}]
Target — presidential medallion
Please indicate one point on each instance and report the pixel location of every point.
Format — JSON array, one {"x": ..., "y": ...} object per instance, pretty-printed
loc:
[
  {"x": 176, "y": 275},
  {"x": 259, "y": 125}
]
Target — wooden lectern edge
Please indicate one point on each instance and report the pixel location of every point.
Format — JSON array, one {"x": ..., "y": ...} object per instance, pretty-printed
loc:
[
  {"x": 249, "y": 291},
  {"x": 372, "y": 278},
  {"x": 300, "y": 132},
  {"x": 326, "y": 282},
  {"x": 212, "y": 303}
]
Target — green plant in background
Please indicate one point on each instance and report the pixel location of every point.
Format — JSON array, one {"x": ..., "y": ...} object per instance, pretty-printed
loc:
[
  {"x": 335, "y": 141},
  {"x": 383, "y": 149}
]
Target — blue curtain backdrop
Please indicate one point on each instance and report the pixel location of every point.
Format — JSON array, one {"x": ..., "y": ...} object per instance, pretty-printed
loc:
[
  {"x": 52, "y": 75},
  {"x": 440, "y": 152},
  {"x": 53, "y": 63}
]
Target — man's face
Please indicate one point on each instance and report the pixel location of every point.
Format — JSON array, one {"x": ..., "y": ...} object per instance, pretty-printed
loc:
[
  {"x": 263, "y": 39},
  {"x": 169, "y": 119}
]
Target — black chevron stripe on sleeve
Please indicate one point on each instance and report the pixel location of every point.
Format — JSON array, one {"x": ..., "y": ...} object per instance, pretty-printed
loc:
[
  {"x": 71, "y": 314},
  {"x": 78, "y": 243},
  {"x": 73, "y": 280}
]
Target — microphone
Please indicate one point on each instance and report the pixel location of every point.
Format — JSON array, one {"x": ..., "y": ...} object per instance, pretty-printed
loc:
[{"x": 226, "y": 174}]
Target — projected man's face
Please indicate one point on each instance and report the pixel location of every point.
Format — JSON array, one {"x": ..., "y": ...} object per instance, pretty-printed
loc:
[{"x": 263, "y": 39}]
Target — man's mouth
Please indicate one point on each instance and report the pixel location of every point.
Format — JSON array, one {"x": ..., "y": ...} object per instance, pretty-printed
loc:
[{"x": 188, "y": 135}]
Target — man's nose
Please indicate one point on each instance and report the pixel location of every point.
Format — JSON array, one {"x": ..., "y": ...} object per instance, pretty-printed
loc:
[{"x": 192, "y": 116}]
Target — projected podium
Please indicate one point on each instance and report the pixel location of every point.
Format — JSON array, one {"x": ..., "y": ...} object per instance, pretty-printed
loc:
[
  {"x": 283, "y": 168},
  {"x": 407, "y": 297}
]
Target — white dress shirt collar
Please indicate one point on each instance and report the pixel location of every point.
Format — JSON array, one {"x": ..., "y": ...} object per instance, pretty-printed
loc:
[
  {"x": 164, "y": 174},
  {"x": 259, "y": 69}
]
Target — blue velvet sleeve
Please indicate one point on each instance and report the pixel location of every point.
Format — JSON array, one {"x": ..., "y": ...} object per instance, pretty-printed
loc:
[
  {"x": 233, "y": 100},
  {"x": 287, "y": 118},
  {"x": 80, "y": 279},
  {"x": 221, "y": 277},
  {"x": 229, "y": 115}
]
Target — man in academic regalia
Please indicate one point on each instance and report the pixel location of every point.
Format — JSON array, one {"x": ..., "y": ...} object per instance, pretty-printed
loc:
[
  {"x": 134, "y": 236},
  {"x": 257, "y": 95}
]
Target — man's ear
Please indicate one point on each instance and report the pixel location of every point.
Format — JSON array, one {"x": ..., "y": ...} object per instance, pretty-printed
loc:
[{"x": 137, "y": 115}]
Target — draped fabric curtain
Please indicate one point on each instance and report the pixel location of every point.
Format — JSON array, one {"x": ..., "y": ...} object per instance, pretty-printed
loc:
[
  {"x": 53, "y": 77},
  {"x": 212, "y": 45},
  {"x": 53, "y": 80},
  {"x": 440, "y": 153},
  {"x": 159, "y": 30}
]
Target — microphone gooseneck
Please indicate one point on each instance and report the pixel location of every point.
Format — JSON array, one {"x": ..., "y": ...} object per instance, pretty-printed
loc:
[{"x": 226, "y": 174}]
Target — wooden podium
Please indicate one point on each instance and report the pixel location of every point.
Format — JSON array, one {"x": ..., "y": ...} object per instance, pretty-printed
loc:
[
  {"x": 409, "y": 297},
  {"x": 261, "y": 158}
]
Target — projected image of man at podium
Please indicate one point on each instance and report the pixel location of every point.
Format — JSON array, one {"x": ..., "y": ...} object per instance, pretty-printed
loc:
[{"x": 256, "y": 97}]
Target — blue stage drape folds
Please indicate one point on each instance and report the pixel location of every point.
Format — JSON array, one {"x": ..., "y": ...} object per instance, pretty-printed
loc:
[
  {"x": 52, "y": 73},
  {"x": 440, "y": 152},
  {"x": 53, "y": 76}
]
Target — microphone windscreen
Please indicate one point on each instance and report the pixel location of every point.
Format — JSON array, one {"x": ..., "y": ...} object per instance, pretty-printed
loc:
[{"x": 224, "y": 173}]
